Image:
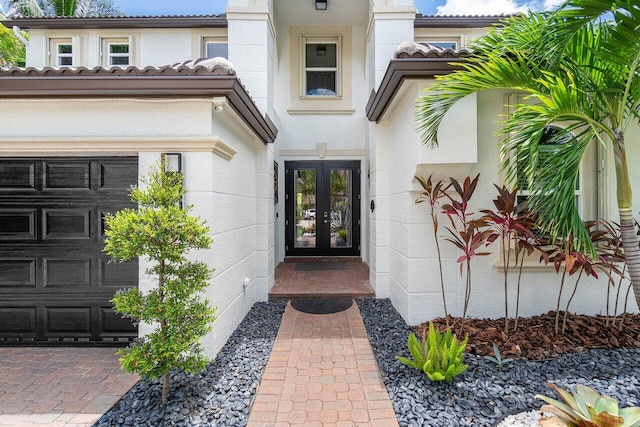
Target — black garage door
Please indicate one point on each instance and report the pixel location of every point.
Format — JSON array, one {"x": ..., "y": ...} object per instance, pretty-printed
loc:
[{"x": 55, "y": 281}]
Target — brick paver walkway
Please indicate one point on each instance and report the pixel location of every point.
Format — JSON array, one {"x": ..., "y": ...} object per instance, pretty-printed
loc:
[
  {"x": 322, "y": 372},
  {"x": 59, "y": 386}
]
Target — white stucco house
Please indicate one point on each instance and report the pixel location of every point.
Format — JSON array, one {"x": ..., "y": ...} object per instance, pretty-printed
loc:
[{"x": 302, "y": 144}]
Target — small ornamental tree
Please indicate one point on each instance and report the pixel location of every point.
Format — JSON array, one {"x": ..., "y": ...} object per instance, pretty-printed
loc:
[{"x": 163, "y": 231}]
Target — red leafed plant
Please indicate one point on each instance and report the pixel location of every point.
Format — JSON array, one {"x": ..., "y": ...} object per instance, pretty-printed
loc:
[
  {"x": 431, "y": 195},
  {"x": 512, "y": 223},
  {"x": 467, "y": 233},
  {"x": 574, "y": 262}
]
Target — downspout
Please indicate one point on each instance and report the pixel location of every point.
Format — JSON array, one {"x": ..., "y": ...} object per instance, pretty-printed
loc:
[{"x": 18, "y": 33}]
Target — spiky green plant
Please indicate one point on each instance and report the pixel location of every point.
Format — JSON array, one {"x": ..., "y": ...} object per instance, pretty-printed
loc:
[
  {"x": 498, "y": 359},
  {"x": 439, "y": 356},
  {"x": 585, "y": 407}
]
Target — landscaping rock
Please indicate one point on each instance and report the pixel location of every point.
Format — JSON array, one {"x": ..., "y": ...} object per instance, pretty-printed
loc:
[
  {"x": 485, "y": 394},
  {"x": 219, "y": 396}
]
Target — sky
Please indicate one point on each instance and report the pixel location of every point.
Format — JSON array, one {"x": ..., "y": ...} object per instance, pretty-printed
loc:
[{"x": 426, "y": 7}]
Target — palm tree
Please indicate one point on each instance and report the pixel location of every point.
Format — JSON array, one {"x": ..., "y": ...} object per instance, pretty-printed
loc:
[
  {"x": 581, "y": 66},
  {"x": 80, "y": 8}
]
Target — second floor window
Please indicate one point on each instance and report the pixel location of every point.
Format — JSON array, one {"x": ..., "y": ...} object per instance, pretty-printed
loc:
[
  {"x": 321, "y": 67},
  {"x": 61, "y": 53},
  {"x": 213, "y": 47},
  {"x": 116, "y": 53}
]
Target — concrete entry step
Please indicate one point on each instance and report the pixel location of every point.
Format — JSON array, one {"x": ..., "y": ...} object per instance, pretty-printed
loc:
[{"x": 344, "y": 277}]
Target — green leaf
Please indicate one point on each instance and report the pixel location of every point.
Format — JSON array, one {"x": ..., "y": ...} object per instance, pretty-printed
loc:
[{"x": 631, "y": 416}]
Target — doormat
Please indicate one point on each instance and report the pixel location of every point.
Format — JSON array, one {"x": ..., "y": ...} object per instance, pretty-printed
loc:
[
  {"x": 322, "y": 265},
  {"x": 321, "y": 305}
]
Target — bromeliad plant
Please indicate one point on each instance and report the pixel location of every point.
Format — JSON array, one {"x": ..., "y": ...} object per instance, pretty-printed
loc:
[
  {"x": 431, "y": 195},
  {"x": 439, "y": 356},
  {"x": 585, "y": 407},
  {"x": 163, "y": 231}
]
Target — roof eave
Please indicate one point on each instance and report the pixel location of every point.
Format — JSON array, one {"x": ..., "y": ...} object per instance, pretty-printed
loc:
[
  {"x": 399, "y": 70},
  {"x": 118, "y": 86}
]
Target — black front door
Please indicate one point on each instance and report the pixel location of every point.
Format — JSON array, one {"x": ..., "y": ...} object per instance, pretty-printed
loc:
[{"x": 323, "y": 208}]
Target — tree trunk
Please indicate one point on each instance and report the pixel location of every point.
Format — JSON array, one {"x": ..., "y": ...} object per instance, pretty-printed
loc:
[
  {"x": 625, "y": 206},
  {"x": 165, "y": 388}
]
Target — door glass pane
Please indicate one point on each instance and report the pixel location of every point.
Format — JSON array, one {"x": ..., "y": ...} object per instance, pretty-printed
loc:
[
  {"x": 305, "y": 211},
  {"x": 341, "y": 207}
]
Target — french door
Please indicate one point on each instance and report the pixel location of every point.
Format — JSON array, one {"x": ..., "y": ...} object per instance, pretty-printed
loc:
[{"x": 322, "y": 208}]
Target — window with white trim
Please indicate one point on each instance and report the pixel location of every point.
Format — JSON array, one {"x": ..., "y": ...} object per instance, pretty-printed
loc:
[
  {"x": 320, "y": 67},
  {"x": 60, "y": 52},
  {"x": 213, "y": 47},
  {"x": 446, "y": 42},
  {"x": 548, "y": 147},
  {"x": 116, "y": 52}
]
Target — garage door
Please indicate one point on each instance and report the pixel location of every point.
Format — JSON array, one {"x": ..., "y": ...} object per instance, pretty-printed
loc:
[{"x": 55, "y": 281}]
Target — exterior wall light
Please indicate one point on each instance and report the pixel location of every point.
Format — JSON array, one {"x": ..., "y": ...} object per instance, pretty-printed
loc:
[
  {"x": 219, "y": 102},
  {"x": 172, "y": 162},
  {"x": 321, "y": 4}
]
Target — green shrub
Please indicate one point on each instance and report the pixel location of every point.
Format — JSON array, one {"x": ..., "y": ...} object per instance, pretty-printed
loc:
[
  {"x": 163, "y": 231},
  {"x": 585, "y": 407},
  {"x": 439, "y": 356}
]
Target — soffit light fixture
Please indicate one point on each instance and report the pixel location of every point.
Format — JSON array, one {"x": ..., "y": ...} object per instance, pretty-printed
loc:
[{"x": 321, "y": 4}]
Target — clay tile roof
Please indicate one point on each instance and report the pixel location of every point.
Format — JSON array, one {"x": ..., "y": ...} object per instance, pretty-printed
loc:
[
  {"x": 457, "y": 21},
  {"x": 145, "y": 21},
  {"x": 425, "y": 50},
  {"x": 203, "y": 66}
]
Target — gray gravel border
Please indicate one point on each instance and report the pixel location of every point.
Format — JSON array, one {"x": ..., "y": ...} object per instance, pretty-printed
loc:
[
  {"x": 222, "y": 395},
  {"x": 219, "y": 396},
  {"x": 484, "y": 394}
]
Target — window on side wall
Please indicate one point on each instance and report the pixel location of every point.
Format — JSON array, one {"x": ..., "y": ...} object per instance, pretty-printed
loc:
[
  {"x": 213, "y": 47},
  {"x": 61, "y": 53},
  {"x": 586, "y": 191},
  {"x": 548, "y": 147},
  {"x": 116, "y": 52},
  {"x": 320, "y": 67}
]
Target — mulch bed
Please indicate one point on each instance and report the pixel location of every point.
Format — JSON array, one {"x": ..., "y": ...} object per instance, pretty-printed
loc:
[{"x": 536, "y": 339}]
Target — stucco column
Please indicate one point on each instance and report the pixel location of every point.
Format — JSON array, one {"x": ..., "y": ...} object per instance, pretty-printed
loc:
[
  {"x": 251, "y": 38},
  {"x": 390, "y": 23}
]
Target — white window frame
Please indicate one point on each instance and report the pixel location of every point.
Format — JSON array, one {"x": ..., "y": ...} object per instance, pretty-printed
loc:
[
  {"x": 578, "y": 192},
  {"x": 587, "y": 192},
  {"x": 53, "y": 54},
  {"x": 106, "y": 54},
  {"x": 436, "y": 40},
  {"x": 206, "y": 40},
  {"x": 304, "y": 40}
]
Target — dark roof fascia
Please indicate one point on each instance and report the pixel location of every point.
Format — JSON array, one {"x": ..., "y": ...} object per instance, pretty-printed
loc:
[
  {"x": 457, "y": 21},
  {"x": 400, "y": 69},
  {"x": 117, "y": 86},
  {"x": 125, "y": 22}
]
